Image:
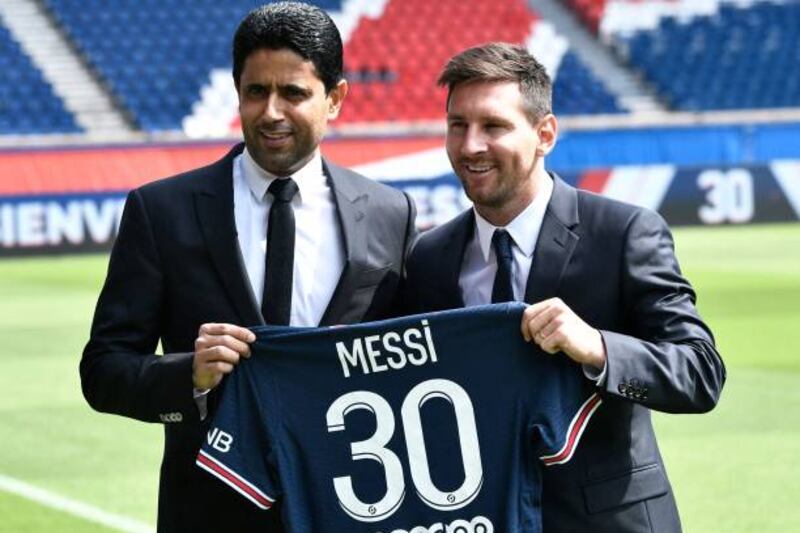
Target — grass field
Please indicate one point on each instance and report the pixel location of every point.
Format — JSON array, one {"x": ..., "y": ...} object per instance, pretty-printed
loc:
[{"x": 733, "y": 470}]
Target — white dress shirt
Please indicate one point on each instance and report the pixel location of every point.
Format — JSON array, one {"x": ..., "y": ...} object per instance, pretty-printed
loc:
[
  {"x": 319, "y": 254},
  {"x": 480, "y": 262}
]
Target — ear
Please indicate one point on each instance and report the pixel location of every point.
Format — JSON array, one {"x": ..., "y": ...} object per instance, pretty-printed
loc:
[
  {"x": 335, "y": 99},
  {"x": 547, "y": 130}
]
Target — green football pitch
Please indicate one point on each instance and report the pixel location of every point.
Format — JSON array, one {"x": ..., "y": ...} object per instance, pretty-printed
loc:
[{"x": 66, "y": 468}]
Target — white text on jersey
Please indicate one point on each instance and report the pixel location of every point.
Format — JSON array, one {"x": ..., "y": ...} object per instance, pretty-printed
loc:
[
  {"x": 378, "y": 353},
  {"x": 479, "y": 524},
  {"x": 220, "y": 440}
]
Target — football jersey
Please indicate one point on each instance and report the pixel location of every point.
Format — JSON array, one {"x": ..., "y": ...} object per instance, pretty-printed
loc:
[{"x": 430, "y": 423}]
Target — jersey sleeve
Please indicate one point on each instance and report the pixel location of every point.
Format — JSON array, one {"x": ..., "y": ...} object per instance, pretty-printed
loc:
[
  {"x": 237, "y": 448},
  {"x": 561, "y": 409}
]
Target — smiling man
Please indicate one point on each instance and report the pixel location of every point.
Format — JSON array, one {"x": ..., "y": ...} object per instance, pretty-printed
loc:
[
  {"x": 604, "y": 284},
  {"x": 272, "y": 233}
]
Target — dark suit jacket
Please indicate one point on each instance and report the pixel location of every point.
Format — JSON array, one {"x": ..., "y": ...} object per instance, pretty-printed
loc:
[
  {"x": 175, "y": 265},
  {"x": 614, "y": 265}
]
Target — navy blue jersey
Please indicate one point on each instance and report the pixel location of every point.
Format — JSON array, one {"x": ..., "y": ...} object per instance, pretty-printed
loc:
[{"x": 436, "y": 422}]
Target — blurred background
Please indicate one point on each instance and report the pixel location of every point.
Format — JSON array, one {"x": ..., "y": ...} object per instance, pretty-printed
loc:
[{"x": 687, "y": 107}]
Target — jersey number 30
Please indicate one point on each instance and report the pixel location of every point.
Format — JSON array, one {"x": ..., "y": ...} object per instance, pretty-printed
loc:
[{"x": 374, "y": 449}]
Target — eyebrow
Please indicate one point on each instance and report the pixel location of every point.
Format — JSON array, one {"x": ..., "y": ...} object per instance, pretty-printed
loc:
[{"x": 281, "y": 87}]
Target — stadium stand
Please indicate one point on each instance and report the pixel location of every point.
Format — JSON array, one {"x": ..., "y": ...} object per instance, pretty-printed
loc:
[
  {"x": 394, "y": 60},
  {"x": 27, "y": 102},
  {"x": 589, "y": 11},
  {"x": 577, "y": 92},
  {"x": 731, "y": 55},
  {"x": 741, "y": 58},
  {"x": 156, "y": 57}
]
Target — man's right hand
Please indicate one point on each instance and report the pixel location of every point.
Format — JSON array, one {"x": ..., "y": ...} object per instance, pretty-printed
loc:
[{"x": 217, "y": 349}]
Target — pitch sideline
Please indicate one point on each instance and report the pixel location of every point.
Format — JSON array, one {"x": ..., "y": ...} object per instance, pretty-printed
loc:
[{"x": 73, "y": 507}]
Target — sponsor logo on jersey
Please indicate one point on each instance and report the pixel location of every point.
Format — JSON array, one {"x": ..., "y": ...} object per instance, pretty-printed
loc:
[
  {"x": 219, "y": 440},
  {"x": 479, "y": 524}
]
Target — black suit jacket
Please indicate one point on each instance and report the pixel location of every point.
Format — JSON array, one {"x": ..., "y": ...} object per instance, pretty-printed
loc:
[
  {"x": 175, "y": 265},
  {"x": 614, "y": 265}
]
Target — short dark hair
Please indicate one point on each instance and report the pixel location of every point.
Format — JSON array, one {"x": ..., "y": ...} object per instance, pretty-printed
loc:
[
  {"x": 502, "y": 62},
  {"x": 305, "y": 29}
]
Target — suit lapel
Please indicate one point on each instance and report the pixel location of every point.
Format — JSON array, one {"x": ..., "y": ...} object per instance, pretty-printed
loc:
[
  {"x": 214, "y": 205},
  {"x": 351, "y": 205},
  {"x": 461, "y": 230},
  {"x": 555, "y": 245}
]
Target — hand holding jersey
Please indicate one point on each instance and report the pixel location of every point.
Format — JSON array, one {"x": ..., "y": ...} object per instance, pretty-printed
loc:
[
  {"x": 217, "y": 349},
  {"x": 554, "y": 327}
]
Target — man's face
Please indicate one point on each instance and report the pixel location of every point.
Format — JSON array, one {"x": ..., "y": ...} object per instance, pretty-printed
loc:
[
  {"x": 493, "y": 147},
  {"x": 284, "y": 109}
]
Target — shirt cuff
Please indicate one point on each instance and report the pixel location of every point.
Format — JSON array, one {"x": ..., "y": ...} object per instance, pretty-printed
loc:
[
  {"x": 201, "y": 400},
  {"x": 595, "y": 374}
]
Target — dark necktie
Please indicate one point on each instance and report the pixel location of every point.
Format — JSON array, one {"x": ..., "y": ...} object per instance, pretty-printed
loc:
[
  {"x": 276, "y": 305},
  {"x": 502, "y": 290}
]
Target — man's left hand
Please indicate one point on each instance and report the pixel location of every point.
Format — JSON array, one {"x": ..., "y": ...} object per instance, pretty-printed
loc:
[{"x": 554, "y": 327}]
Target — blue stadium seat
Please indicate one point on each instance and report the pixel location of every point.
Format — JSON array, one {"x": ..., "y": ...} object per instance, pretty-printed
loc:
[
  {"x": 27, "y": 102},
  {"x": 578, "y": 92},
  {"x": 741, "y": 58}
]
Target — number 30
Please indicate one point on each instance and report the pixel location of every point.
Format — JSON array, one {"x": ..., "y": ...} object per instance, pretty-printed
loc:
[{"x": 375, "y": 449}]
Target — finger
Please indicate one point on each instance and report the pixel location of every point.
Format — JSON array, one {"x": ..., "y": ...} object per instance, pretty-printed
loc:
[
  {"x": 535, "y": 309},
  {"x": 528, "y": 316},
  {"x": 555, "y": 324},
  {"x": 238, "y": 332},
  {"x": 228, "y": 341},
  {"x": 537, "y": 324},
  {"x": 550, "y": 345},
  {"x": 217, "y": 353},
  {"x": 219, "y": 367},
  {"x": 523, "y": 325}
]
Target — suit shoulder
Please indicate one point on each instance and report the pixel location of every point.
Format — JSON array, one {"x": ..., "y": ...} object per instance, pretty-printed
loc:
[
  {"x": 193, "y": 179},
  {"x": 601, "y": 211},
  {"x": 364, "y": 184},
  {"x": 433, "y": 239},
  {"x": 183, "y": 182},
  {"x": 388, "y": 208}
]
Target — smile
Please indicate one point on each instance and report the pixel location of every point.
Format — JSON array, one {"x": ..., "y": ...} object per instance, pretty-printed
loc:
[
  {"x": 478, "y": 169},
  {"x": 276, "y": 135}
]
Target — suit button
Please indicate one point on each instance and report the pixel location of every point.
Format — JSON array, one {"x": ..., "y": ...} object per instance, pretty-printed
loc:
[{"x": 623, "y": 389}]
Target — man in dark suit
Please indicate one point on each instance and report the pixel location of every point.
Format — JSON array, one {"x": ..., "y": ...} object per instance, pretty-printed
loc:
[
  {"x": 602, "y": 278},
  {"x": 271, "y": 230}
]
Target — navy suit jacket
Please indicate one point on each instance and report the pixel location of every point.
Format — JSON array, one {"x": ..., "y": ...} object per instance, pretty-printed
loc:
[
  {"x": 614, "y": 265},
  {"x": 175, "y": 265}
]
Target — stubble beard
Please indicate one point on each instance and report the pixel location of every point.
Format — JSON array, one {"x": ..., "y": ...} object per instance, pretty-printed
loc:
[{"x": 277, "y": 162}]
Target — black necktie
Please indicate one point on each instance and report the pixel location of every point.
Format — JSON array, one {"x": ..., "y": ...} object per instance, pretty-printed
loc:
[
  {"x": 276, "y": 305},
  {"x": 502, "y": 290}
]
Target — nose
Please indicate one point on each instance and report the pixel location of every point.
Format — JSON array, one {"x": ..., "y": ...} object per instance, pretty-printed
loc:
[
  {"x": 273, "y": 109},
  {"x": 472, "y": 142}
]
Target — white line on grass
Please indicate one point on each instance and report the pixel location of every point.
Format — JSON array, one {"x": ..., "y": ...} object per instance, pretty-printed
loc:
[{"x": 73, "y": 507}]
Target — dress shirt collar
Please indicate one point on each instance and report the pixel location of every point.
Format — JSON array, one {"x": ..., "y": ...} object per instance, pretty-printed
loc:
[
  {"x": 524, "y": 229},
  {"x": 258, "y": 180}
]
